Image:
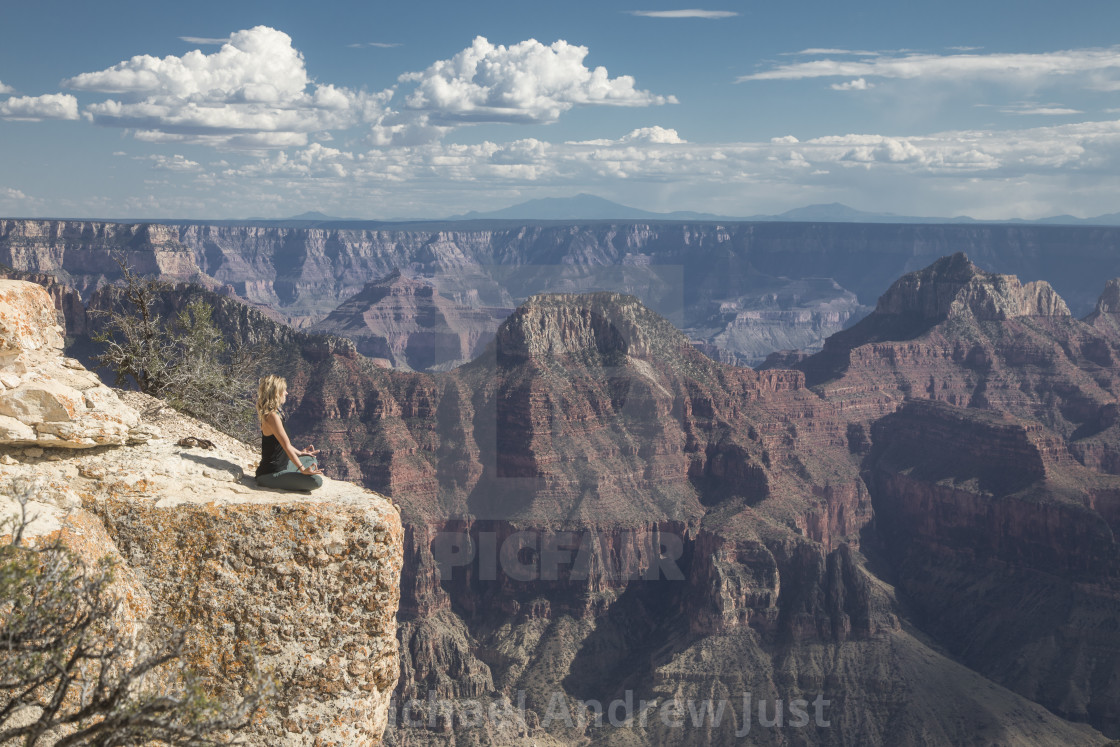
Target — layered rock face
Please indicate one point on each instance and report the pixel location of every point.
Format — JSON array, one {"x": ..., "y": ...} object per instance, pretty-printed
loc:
[
  {"x": 955, "y": 333},
  {"x": 407, "y": 323},
  {"x": 746, "y": 288},
  {"x": 83, "y": 254},
  {"x": 988, "y": 416},
  {"x": 310, "y": 582},
  {"x": 593, "y": 509},
  {"x": 800, "y": 315}
]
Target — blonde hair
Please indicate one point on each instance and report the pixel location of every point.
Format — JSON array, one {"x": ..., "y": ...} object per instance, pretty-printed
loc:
[{"x": 269, "y": 393}]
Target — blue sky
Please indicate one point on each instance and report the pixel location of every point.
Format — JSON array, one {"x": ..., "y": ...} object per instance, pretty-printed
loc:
[{"x": 993, "y": 109}]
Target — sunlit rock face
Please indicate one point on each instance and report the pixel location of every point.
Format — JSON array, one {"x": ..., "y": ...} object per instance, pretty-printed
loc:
[
  {"x": 308, "y": 581},
  {"x": 47, "y": 399}
]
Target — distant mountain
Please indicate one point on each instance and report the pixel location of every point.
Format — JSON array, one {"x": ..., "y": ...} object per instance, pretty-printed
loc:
[
  {"x": 591, "y": 207},
  {"x": 1109, "y": 219},
  {"x": 314, "y": 215},
  {"x": 835, "y": 212},
  {"x": 581, "y": 207}
]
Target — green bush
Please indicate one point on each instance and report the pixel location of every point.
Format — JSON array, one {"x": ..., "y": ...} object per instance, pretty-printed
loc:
[{"x": 185, "y": 361}]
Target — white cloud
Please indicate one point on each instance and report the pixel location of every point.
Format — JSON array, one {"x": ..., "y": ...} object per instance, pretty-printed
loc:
[
  {"x": 204, "y": 39},
  {"x": 526, "y": 82},
  {"x": 173, "y": 163},
  {"x": 1049, "y": 110},
  {"x": 258, "y": 65},
  {"x": 817, "y": 51},
  {"x": 980, "y": 157},
  {"x": 378, "y": 45},
  {"x": 8, "y": 193},
  {"x": 6, "y": 89},
  {"x": 859, "y": 84},
  {"x": 315, "y": 161},
  {"x": 247, "y": 141},
  {"x": 653, "y": 135},
  {"x": 254, "y": 92},
  {"x": 1100, "y": 65},
  {"x": 686, "y": 13},
  {"x": 990, "y": 173},
  {"x": 36, "y": 108}
]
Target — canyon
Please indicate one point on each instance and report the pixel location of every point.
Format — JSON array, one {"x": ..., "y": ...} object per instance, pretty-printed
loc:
[
  {"x": 744, "y": 289},
  {"x": 916, "y": 523}
]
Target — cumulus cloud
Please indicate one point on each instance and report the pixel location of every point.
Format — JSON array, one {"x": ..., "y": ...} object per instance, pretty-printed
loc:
[
  {"x": 1048, "y": 110},
  {"x": 658, "y": 154},
  {"x": 253, "y": 92},
  {"x": 204, "y": 39},
  {"x": 315, "y": 161},
  {"x": 686, "y": 13},
  {"x": 6, "y": 89},
  {"x": 986, "y": 173},
  {"x": 817, "y": 51},
  {"x": 654, "y": 135},
  {"x": 859, "y": 84},
  {"x": 247, "y": 140},
  {"x": 1101, "y": 65},
  {"x": 173, "y": 163},
  {"x": 12, "y": 194},
  {"x": 36, "y": 108},
  {"x": 526, "y": 82}
]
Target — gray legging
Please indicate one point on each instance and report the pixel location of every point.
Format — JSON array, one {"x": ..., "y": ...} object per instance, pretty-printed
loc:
[{"x": 290, "y": 478}]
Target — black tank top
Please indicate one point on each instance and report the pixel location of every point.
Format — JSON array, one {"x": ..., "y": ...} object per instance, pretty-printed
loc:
[{"x": 273, "y": 458}]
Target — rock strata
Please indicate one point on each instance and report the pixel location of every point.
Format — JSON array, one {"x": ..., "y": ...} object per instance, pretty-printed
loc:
[
  {"x": 407, "y": 322},
  {"x": 592, "y": 426},
  {"x": 748, "y": 288}
]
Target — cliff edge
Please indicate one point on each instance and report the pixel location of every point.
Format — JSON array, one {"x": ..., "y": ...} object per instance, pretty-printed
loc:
[{"x": 311, "y": 581}]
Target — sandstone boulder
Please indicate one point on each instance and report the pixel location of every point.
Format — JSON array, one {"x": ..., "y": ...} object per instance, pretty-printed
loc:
[{"x": 46, "y": 399}]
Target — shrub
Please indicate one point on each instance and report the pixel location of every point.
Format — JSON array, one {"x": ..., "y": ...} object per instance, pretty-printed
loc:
[{"x": 186, "y": 362}]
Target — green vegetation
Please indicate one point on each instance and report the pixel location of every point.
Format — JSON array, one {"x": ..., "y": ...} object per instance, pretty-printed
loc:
[{"x": 187, "y": 363}]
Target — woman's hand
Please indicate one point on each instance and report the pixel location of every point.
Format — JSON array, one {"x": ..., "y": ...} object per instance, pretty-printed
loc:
[
  {"x": 310, "y": 469},
  {"x": 309, "y": 451}
]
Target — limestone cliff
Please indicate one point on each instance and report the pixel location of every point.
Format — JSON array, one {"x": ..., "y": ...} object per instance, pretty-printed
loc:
[
  {"x": 746, "y": 288},
  {"x": 407, "y": 323},
  {"x": 311, "y": 581},
  {"x": 988, "y": 420},
  {"x": 592, "y": 431},
  {"x": 83, "y": 253}
]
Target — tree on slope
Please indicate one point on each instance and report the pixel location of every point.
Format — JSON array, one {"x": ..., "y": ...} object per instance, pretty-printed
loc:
[{"x": 185, "y": 360}]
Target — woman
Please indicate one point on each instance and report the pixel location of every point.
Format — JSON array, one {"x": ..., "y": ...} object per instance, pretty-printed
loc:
[{"x": 281, "y": 465}]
